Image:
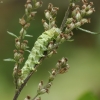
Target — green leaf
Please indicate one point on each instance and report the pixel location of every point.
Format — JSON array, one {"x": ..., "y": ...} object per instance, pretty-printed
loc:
[
  {"x": 9, "y": 59},
  {"x": 87, "y": 31},
  {"x": 88, "y": 96},
  {"x": 11, "y": 34},
  {"x": 28, "y": 35}
]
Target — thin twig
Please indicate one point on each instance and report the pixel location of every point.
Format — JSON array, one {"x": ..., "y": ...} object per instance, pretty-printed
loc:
[
  {"x": 22, "y": 85},
  {"x": 65, "y": 17},
  {"x": 25, "y": 81},
  {"x": 35, "y": 96},
  {"x": 87, "y": 31}
]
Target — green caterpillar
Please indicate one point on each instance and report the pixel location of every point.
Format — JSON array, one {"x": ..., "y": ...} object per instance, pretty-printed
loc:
[{"x": 37, "y": 51}]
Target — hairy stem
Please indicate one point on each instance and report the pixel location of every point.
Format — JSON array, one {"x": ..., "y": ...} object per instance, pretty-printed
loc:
[{"x": 65, "y": 18}]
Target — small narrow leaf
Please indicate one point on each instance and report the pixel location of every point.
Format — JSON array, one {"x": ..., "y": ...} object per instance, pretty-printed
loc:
[
  {"x": 87, "y": 31},
  {"x": 9, "y": 59},
  {"x": 28, "y": 35},
  {"x": 28, "y": 51},
  {"x": 49, "y": 72},
  {"x": 11, "y": 34}
]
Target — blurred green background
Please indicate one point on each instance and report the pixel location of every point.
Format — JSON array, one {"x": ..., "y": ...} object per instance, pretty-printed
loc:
[{"x": 81, "y": 82}]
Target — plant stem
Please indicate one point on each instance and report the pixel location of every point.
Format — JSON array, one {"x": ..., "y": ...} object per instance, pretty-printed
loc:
[
  {"x": 21, "y": 87},
  {"x": 35, "y": 96},
  {"x": 31, "y": 73},
  {"x": 87, "y": 31},
  {"x": 65, "y": 17},
  {"x": 25, "y": 81}
]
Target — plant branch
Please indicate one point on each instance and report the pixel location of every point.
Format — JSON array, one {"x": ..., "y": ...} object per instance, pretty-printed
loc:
[
  {"x": 87, "y": 31},
  {"x": 61, "y": 67},
  {"x": 25, "y": 81},
  {"x": 65, "y": 17},
  {"x": 35, "y": 96},
  {"x": 43, "y": 43}
]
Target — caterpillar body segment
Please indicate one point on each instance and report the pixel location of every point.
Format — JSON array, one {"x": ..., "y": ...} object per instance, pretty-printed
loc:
[{"x": 37, "y": 51}]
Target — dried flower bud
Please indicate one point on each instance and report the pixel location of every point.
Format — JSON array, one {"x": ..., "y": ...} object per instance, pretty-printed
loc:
[
  {"x": 38, "y": 4},
  {"x": 26, "y": 25},
  {"x": 88, "y": 7},
  {"x": 19, "y": 72},
  {"x": 51, "y": 78},
  {"x": 33, "y": 13},
  {"x": 73, "y": 5},
  {"x": 27, "y": 98},
  {"x": 63, "y": 60},
  {"x": 78, "y": 24},
  {"x": 83, "y": 12},
  {"x": 90, "y": 11},
  {"x": 15, "y": 51},
  {"x": 67, "y": 30},
  {"x": 38, "y": 98},
  {"x": 62, "y": 39},
  {"x": 23, "y": 46},
  {"x": 91, "y": 3},
  {"x": 48, "y": 85},
  {"x": 50, "y": 46},
  {"x": 53, "y": 72},
  {"x": 74, "y": 12},
  {"x": 84, "y": 20},
  {"x": 54, "y": 10},
  {"x": 28, "y": 1},
  {"x": 23, "y": 33},
  {"x": 71, "y": 26},
  {"x": 15, "y": 71},
  {"x": 78, "y": 16},
  {"x": 52, "y": 24},
  {"x": 69, "y": 20},
  {"x": 67, "y": 66},
  {"x": 22, "y": 21},
  {"x": 46, "y": 26},
  {"x": 17, "y": 43},
  {"x": 29, "y": 6},
  {"x": 84, "y": 6},
  {"x": 50, "y": 54},
  {"x": 17, "y": 56},
  {"x": 47, "y": 14},
  {"x": 58, "y": 64},
  {"x": 66, "y": 36},
  {"x": 40, "y": 86},
  {"x": 84, "y": 1},
  {"x": 50, "y": 6},
  {"x": 25, "y": 41},
  {"x": 43, "y": 91},
  {"x": 21, "y": 60},
  {"x": 21, "y": 51},
  {"x": 62, "y": 70}
]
